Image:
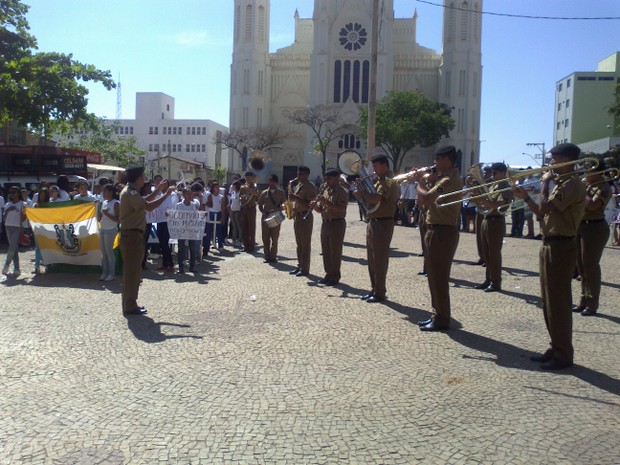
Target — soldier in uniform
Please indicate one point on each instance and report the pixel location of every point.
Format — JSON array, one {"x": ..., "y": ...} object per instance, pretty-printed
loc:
[
  {"x": 493, "y": 228},
  {"x": 562, "y": 210},
  {"x": 486, "y": 175},
  {"x": 442, "y": 236},
  {"x": 271, "y": 200},
  {"x": 248, "y": 195},
  {"x": 301, "y": 196},
  {"x": 332, "y": 204},
  {"x": 380, "y": 226},
  {"x": 132, "y": 226},
  {"x": 429, "y": 180},
  {"x": 592, "y": 237}
]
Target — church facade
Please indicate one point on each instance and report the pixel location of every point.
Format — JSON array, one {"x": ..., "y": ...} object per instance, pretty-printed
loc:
[{"x": 329, "y": 64}]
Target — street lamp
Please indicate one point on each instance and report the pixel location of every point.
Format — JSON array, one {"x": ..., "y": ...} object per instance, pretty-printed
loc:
[
  {"x": 532, "y": 157},
  {"x": 541, "y": 146}
]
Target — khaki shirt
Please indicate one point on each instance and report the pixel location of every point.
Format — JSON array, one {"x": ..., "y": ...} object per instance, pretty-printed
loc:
[
  {"x": 569, "y": 197},
  {"x": 248, "y": 199},
  {"x": 132, "y": 209},
  {"x": 266, "y": 205},
  {"x": 447, "y": 182},
  {"x": 598, "y": 191},
  {"x": 504, "y": 198},
  {"x": 389, "y": 190},
  {"x": 339, "y": 197},
  {"x": 306, "y": 191}
]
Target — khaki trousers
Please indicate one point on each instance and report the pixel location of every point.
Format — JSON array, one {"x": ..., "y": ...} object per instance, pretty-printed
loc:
[
  {"x": 132, "y": 252},
  {"x": 248, "y": 228},
  {"x": 493, "y": 230},
  {"x": 270, "y": 239},
  {"x": 591, "y": 241},
  {"x": 422, "y": 225},
  {"x": 441, "y": 243},
  {"x": 303, "y": 238},
  {"x": 557, "y": 264},
  {"x": 378, "y": 238},
  {"x": 479, "y": 219},
  {"x": 332, "y": 237}
]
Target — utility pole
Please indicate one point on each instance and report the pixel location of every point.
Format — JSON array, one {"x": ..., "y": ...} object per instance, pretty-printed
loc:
[
  {"x": 372, "y": 97},
  {"x": 541, "y": 147}
]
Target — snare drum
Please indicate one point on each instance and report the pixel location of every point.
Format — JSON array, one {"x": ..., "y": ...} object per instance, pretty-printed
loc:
[{"x": 274, "y": 219}]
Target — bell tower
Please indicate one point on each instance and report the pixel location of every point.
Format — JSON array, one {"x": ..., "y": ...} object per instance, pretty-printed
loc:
[
  {"x": 461, "y": 75},
  {"x": 249, "y": 89}
]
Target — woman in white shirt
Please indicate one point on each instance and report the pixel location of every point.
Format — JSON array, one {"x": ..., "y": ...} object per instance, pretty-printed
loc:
[
  {"x": 188, "y": 204},
  {"x": 13, "y": 217},
  {"x": 214, "y": 207},
  {"x": 109, "y": 218},
  {"x": 234, "y": 205}
]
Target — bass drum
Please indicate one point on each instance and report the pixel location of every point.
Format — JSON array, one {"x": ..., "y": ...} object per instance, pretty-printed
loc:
[{"x": 274, "y": 219}]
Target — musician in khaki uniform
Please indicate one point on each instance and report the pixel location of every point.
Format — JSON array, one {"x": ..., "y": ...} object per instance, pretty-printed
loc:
[
  {"x": 302, "y": 195},
  {"x": 332, "y": 203},
  {"x": 132, "y": 226},
  {"x": 592, "y": 237},
  {"x": 269, "y": 202},
  {"x": 562, "y": 210},
  {"x": 248, "y": 195},
  {"x": 493, "y": 228},
  {"x": 380, "y": 227},
  {"x": 442, "y": 236}
]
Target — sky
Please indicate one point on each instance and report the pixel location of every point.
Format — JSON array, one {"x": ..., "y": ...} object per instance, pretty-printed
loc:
[{"x": 184, "y": 48}]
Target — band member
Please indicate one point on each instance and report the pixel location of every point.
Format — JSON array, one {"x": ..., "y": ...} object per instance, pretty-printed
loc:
[
  {"x": 562, "y": 210},
  {"x": 486, "y": 174},
  {"x": 271, "y": 200},
  {"x": 332, "y": 204},
  {"x": 301, "y": 196},
  {"x": 493, "y": 228},
  {"x": 380, "y": 226},
  {"x": 132, "y": 226},
  {"x": 592, "y": 237},
  {"x": 442, "y": 236},
  {"x": 429, "y": 180},
  {"x": 248, "y": 195}
]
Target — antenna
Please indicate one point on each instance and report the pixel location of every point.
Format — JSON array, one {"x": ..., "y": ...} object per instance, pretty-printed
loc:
[{"x": 119, "y": 100}]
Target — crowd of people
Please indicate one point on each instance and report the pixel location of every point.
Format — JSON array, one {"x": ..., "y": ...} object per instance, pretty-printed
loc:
[{"x": 570, "y": 213}]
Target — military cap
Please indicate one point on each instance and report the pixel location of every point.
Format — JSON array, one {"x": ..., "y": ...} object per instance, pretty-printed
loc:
[
  {"x": 303, "y": 169},
  {"x": 447, "y": 150},
  {"x": 567, "y": 150},
  {"x": 249, "y": 173},
  {"x": 332, "y": 172},
  {"x": 134, "y": 172},
  {"x": 273, "y": 177},
  {"x": 379, "y": 158},
  {"x": 501, "y": 167}
]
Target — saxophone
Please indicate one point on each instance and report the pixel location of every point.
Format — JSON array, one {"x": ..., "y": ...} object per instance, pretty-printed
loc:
[{"x": 288, "y": 204}]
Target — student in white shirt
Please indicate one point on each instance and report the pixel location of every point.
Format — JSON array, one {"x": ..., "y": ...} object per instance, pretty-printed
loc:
[
  {"x": 13, "y": 217},
  {"x": 189, "y": 203},
  {"x": 234, "y": 206},
  {"x": 109, "y": 214},
  {"x": 214, "y": 207}
]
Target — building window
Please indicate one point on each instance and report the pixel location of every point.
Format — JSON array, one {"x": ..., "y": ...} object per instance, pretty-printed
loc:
[
  {"x": 261, "y": 24},
  {"x": 353, "y": 36},
  {"x": 187, "y": 131},
  {"x": 193, "y": 147},
  {"x": 245, "y": 118},
  {"x": 150, "y": 129},
  {"x": 203, "y": 148},
  {"x": 238, "y": 24},
  {"x": 475, "y": 85},
  {"x": 156, "y": 128},
  {"x": 150, "y": 147},
  {"x": 204, "y": 131},
  {"x": 337, "y": 80},
  {"x": 365, "y": 80},
  {"x": 560, "y": 87},
  {"x": 249, "y": 19},
  {"x": 131, "y": 130},
  {"x": 583, "y": 78},
  {"x": 193, "y": 131},
  {"x": 167, "y": 107},
  {"x": 447, "y": 84},
  {"x": 557, "y": 126},
  {"x": 452, "y": 22},
  {"x": 354, "y": 82},
  {"x": 566, "y": 123},
  {"x": 567, "y": 83},
  {"x": 567, "y": 102},
  {"x": 559, "y": 106},
  {"x": 260, "y": 82},
  {"x": 259, "y": 117},
  {"x": 605, "y": 78},
  {"x": 462, "y": 80},
  {"x": 460, "y": 122},
  {"x": 187, "y": 147},
  {"x": 156, "y": 147},
  {"x": 246, "y": 81},
  {"x": 464, "y": 21}
]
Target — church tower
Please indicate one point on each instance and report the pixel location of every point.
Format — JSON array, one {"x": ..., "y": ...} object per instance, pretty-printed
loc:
[
  {"x": 250, "y": 77},
  {"x": 461, "y": 75}
]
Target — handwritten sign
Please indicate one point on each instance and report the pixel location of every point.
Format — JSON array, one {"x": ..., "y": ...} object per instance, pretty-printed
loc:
[{"x": 186, "y": 224}]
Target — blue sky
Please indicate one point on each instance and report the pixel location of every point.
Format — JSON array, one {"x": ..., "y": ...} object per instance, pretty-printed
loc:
[{"x": 183, "y": 48}]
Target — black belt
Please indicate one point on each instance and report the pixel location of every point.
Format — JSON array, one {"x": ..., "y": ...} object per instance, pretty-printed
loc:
[
  {"x": 383, "y": 218},
  {"x": 439, "y": 226},
  {"x": 558, "y": 238},
  {"x": 333, "y": 219},
  {"x": 602, "y": 220},
  {"x": 131, "y": 230}
]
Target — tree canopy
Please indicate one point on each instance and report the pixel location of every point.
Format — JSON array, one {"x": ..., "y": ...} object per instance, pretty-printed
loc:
[
  {"x": 35, "y": 87},
  {"x": 405, "y": 120}
]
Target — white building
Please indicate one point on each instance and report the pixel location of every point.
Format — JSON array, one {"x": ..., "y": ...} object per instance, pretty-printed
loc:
[
  {"x": 329, "y": 64},
  {"x": 582, "y": 102},
  {"x": 161, "y": 135}
]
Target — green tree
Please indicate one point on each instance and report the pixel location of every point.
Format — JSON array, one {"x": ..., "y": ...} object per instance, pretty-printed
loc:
[
  {"x": 615, "y": 108},
  {"x": 97, "y": 135},
  {"x": 406, "y": 120},
  {"x": 36, "y": 87},
  {"x": 220, "y": 174}
]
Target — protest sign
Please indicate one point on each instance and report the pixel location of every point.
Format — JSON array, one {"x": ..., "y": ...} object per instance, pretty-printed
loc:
[{"x": 183, "y": 224}]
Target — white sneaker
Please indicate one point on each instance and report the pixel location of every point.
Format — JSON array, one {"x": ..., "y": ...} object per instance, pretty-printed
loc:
[{"x": 109, "y": 278}]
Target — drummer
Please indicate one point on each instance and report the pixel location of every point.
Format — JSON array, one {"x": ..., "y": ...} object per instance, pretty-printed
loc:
[{"x": 270, "y": 202}]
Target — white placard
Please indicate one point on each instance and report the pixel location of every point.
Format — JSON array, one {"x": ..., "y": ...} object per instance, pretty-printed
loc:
[{"x": 184, "y": 224}]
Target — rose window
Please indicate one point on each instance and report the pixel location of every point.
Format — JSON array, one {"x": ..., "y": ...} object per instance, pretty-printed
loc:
[{"x": 353, "y": 36}]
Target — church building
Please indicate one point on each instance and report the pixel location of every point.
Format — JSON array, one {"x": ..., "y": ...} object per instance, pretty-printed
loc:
[{"x": 329, "y": 64}]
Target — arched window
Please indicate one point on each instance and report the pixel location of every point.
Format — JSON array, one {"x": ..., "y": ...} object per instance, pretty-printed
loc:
[
  {"x": 238, "y": 24},
  {"x": 476, "y": 16},
  {"x": 452, "y": 22},
  {"x": 249, "y": 19},
  {"x": 261, "y": 24},
  {"x": 337, "y": 80},
  {"x": 464, "y": 20},
  {"x": 351, "y": 79}
]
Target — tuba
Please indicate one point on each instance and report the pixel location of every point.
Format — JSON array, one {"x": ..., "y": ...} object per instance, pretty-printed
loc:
[
  {"x": 350, "y": 162},
  {"x": 258, "y": 158}
]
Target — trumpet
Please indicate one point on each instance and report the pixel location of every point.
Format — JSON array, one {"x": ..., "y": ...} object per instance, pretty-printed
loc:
[
  {"x": 589, "y": 164},
  {"x": 410, "y": 175},
  {"x": 316, "y": 201}
]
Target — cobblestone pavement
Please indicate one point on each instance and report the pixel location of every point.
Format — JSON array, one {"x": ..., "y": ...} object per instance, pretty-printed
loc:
[{"x": 303, "y": 374}]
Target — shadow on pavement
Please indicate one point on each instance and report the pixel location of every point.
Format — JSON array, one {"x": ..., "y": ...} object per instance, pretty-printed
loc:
[{"x": 145, "y": 329}]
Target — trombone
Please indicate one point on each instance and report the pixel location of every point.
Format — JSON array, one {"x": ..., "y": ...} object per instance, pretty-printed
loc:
[
  {"x": 589, "y": 164},
  {"x": 410, "y": 175}
]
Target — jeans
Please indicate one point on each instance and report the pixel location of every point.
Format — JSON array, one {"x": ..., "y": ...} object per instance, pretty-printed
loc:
[
  {"x": 194, "y": 250},
  {"x": 106, "y": 243},
  {"x": 214, "y": 216},
  {"x": 12, "y": 235},
  {"x": 164, "y": 243}
]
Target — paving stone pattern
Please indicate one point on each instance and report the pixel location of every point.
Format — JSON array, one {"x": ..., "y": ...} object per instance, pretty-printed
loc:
[{"x": 303, "y": 374}]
